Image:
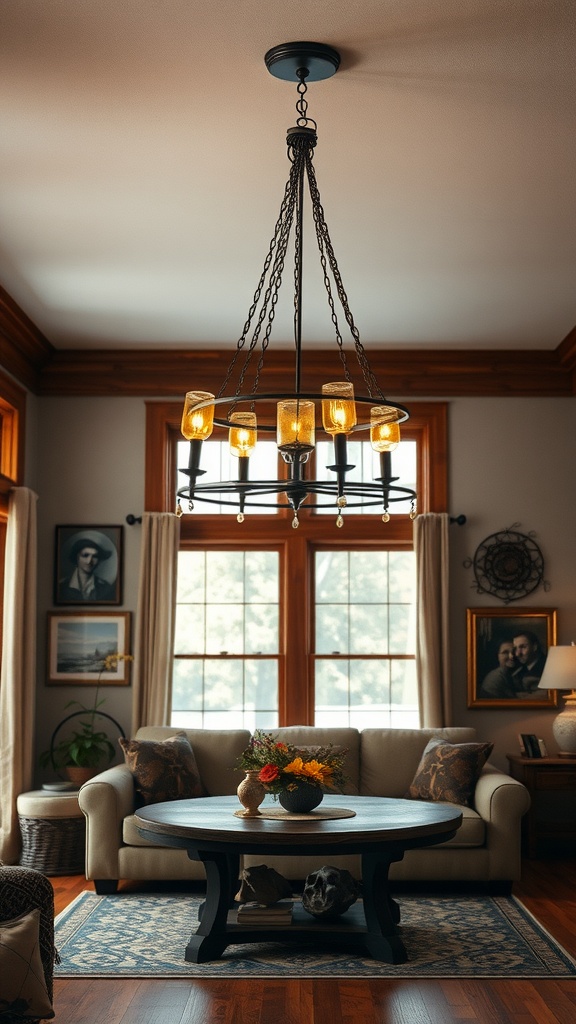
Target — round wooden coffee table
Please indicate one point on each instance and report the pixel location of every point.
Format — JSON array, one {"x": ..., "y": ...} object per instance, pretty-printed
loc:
[{"x": 380, "y": 831}]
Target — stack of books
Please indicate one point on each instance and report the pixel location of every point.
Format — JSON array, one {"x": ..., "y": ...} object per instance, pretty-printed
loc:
[{"x": 275, "y": 915}]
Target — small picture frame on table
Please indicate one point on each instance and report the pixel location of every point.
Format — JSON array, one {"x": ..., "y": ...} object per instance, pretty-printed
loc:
[{"x": 88, "y": 565}]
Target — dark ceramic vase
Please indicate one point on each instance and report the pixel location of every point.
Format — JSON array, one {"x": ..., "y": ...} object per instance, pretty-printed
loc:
[{"x": 302, "y": 799}]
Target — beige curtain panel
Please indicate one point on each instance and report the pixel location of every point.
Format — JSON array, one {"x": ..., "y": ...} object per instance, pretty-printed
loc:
[
  {"x": 431, "y": 548},
  {"x": 18, "y": 671},
  {"x": 155, "y": 619}
]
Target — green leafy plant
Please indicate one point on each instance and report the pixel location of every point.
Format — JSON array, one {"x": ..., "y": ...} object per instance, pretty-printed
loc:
[{"x": 86, "y": 746}]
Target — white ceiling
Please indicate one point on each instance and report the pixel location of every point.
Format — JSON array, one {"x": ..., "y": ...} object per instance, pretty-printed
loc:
[{"x": 143, "y": 161}]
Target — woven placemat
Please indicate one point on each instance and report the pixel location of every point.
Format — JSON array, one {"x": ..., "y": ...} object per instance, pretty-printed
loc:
[{"x": 321, "y": 813}]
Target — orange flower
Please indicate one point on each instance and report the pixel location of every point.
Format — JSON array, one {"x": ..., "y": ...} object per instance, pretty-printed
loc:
[
  {"x": 268, "y": 773},
  {"x": 313, "y": 770}
]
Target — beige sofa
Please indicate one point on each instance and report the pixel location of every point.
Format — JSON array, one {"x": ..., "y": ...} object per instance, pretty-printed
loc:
[{"x": 380, "y": 762}]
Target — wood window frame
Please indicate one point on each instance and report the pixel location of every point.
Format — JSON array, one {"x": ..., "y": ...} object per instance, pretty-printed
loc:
[{"x": 12, "y": 436}]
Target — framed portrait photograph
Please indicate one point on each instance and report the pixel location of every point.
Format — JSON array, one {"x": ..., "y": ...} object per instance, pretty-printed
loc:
[
  {"x": 88, "y": 565},
  {"x": 506, "y": 652},
  {"x": 80, "y": 642}
]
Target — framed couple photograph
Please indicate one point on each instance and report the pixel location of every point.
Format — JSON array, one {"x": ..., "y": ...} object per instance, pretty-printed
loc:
[
  {"x": 88, "y": 565},
  {"x": 80, "y": 642},
  {"x": 506, "y": 653}
]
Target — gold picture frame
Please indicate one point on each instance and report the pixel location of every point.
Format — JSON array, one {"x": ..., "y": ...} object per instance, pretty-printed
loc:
[{"x": 506, "y": 650}]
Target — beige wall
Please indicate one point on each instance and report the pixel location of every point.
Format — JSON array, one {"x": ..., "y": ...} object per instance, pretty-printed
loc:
[
  {"x": 511, "y": 461},
  {"x": 90, "y": 472}
]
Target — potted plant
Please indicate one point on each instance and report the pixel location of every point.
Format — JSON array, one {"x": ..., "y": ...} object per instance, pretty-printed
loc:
[{"x": 88, "y": 748}]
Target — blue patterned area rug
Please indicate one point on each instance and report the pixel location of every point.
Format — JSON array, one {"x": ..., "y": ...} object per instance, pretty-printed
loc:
[{"x": 144, "y": 936}]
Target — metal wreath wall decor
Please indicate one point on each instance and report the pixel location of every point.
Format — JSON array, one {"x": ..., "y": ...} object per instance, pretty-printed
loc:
[{"x": 508, "y": 564}]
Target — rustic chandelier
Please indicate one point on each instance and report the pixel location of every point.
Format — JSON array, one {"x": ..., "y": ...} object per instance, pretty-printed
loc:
[{"x": 297, "y": 411}]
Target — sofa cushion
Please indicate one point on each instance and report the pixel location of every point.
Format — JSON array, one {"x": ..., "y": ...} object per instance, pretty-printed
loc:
[
  {"x": 24, "y": 989},
  {"x": 449, "y": 771},
  {"x": 472, "y": 831},
  {"x": 131, "y": 836},
  {"x": 164, "y": 770},
  {"x": 390, "y": 757},
  {"x": 216, "y": 752}
]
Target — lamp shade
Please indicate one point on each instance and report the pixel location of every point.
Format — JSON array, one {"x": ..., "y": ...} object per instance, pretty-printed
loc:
[
  {"x": 560, "y": 669},
  {"x": 560, "y": 674}
]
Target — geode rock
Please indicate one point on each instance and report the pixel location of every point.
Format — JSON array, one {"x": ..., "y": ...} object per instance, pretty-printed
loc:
[
  {"x": 329, "y": 892},
  {"x": 262, "y": 885}
]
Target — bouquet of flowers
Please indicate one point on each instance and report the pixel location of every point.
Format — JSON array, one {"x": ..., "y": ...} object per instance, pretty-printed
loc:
[{"x": 283, "y": 766}]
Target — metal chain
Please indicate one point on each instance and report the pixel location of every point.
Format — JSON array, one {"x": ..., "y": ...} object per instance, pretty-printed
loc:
[
  {"x": 300, "y": 153},
  {"x": 276, "y": 277},
  {"x": 326, "y": 249},
  {"x": 302, "y": 103},
  {"x": 278, "y": 242}
]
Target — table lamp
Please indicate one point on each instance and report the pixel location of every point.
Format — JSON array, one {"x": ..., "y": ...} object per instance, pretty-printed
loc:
[{"x": 560, "y": 674}]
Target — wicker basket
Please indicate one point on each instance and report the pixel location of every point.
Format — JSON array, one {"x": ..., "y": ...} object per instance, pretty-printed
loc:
[{"x": 54, "y": 846}]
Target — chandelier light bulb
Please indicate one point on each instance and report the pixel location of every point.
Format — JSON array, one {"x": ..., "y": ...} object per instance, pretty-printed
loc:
[
  {"x": 338, "y": 408},
  {"x": 384, "y": 428},
  {"x": 295, "y": 427},
  {"x": 197, "y": 424},
  {"x": 242, "y": 434}
]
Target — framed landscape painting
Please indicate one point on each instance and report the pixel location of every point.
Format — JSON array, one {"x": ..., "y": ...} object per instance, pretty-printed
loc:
[
  {"x": 79, "y": 643},
  {"x": 506, "y": 652}
]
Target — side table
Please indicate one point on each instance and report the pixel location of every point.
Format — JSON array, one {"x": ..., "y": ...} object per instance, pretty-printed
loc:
[{"x": 541, "y": 775}]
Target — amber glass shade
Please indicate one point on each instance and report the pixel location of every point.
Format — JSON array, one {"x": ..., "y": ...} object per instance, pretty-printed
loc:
[
  {"x": 242, "y": 435},
  {"x": 338, "y": 408},
  {"x": 197, "y": 424},
  {"x": 384, "y": 428},
  {"x": 295, "y": 425}
]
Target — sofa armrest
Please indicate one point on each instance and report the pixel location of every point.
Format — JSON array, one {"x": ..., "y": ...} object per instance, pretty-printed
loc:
[
  {"x": 502, "y": 801},
  {"x": 498, "y": 798},
  {"x": 105, "y": 801}
]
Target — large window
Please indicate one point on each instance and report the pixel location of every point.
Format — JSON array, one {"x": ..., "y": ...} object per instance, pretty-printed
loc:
[
  {"x": 277, "y": 626},
  {"x": 365, "y": 639},
  {"x": 227, "y": 640}
]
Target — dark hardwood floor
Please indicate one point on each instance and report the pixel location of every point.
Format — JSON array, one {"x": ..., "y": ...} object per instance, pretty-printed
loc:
[{"x": 548, "y": 889}]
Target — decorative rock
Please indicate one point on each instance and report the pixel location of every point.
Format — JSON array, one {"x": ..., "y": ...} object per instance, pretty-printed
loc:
[
  {"x": 329, "y": 892},
  {"x": 262, "y": 885}
]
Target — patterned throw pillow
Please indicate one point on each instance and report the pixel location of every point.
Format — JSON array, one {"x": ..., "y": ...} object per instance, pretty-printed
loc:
[
  {"x": 163, "y": 769},
  {"x": 449, "y": 771},
  {"x": 23, "y": 994}
]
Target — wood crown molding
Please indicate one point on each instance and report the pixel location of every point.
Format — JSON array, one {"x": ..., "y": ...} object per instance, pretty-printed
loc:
[
  {"x": 24, "y": 351},
  {"x": 414, "y": 373},
  {"x": 154, "y": 373}
]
